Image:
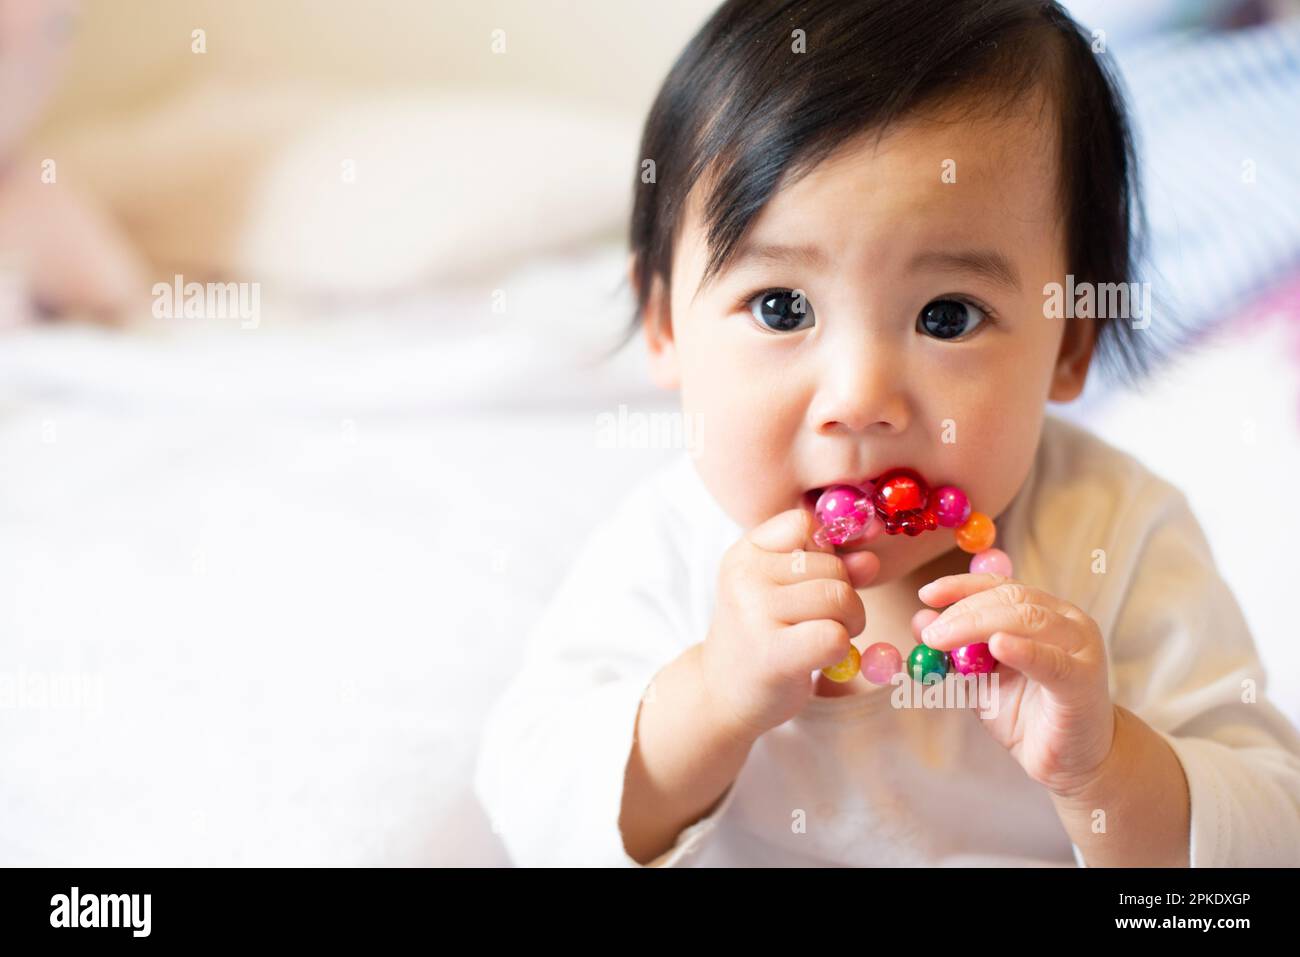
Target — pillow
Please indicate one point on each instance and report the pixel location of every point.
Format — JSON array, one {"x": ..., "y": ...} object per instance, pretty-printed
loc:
[{"x": 317, "y": 192}]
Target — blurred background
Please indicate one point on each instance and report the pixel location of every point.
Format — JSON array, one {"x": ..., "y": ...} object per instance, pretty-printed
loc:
[{"x": 271, "y": 543}]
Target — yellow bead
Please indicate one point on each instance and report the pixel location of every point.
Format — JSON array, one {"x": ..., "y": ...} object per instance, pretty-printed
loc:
[
  {"x": 977, "y": 534},
  {"x": 847, "y": 669}
]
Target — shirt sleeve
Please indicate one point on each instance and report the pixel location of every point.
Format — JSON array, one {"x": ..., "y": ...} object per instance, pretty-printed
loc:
[
  {"x": 1182, "y": 659},
  {"x": 556, "y": 744}
]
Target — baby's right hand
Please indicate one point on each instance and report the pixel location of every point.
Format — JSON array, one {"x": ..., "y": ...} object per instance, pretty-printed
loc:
[{"x": 785, "y": 609}]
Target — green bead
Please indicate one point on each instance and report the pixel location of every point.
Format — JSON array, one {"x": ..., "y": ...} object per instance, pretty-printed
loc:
[{"x": 926, "y": 664}]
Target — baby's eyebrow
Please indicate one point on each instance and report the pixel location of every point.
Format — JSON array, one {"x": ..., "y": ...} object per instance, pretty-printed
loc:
[
  {"x": 813, "y": 257},
  {"x": 808, "y": 256},
  {"x": 985, "y": 262}
]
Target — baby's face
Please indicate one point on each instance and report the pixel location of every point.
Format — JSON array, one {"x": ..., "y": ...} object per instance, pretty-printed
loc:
[{"x": 922, "y": 341}]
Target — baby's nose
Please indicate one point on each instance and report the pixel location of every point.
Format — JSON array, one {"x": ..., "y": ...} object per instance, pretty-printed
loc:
[{"x": 860, "y": 390}]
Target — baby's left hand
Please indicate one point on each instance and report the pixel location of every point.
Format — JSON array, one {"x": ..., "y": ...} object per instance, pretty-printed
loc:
[{"x": 1054, "y": 712}]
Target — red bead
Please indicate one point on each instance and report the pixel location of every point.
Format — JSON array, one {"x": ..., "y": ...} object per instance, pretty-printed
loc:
[
  {"x": 914, "y": 521},
  {"x": 900, "y": 490}
]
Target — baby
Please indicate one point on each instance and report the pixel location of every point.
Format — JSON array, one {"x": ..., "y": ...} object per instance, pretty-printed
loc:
[{"x": 847, "y": 219}]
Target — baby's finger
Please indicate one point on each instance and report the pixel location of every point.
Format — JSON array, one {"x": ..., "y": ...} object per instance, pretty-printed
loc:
[
  {"x": 787, "y": 568},
  {"x": 809, "y": 646},
  {"x": 824, "y": 598},
  {"x": 1047, "y": 664},
  {"x": 951, "y": 631},
  {"x": 953, "y": 588},
  {"x": 787, "y": 531},
  {"x": 980, "y": 589}
]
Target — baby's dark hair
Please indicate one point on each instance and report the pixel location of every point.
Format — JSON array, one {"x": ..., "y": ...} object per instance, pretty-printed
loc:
[{"x": 741, "y": 108}]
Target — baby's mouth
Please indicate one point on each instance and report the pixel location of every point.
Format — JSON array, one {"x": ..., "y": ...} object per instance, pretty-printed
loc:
[
  {"x": 811, "y": 496},
  {"x": 899, "y": 500}
]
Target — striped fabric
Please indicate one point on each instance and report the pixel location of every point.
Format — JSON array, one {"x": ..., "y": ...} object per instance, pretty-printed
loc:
[
  {"x": 1217, "y": 121},
  {"x": 1218, "y": 125}
]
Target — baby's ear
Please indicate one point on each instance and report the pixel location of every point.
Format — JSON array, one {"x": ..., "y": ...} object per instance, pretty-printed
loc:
[
  {"x": 657, "y": 327},
  {"x": 1075, "y": 357}
]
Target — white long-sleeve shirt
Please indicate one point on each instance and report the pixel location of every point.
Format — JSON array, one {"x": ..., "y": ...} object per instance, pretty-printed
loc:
[{"x": 851, "y": 780}]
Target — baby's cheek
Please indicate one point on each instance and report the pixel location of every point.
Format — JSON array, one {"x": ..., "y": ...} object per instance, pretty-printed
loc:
[
  {"x": 744, "y": 456},
  {"x": 994, "y": 453}
]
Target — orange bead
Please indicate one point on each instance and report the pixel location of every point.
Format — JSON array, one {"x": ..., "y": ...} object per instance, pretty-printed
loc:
[{"x": 977, "y": 534}]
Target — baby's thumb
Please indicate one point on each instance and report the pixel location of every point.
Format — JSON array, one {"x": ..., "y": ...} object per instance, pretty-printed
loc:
[{"x": 787, "y": 531}]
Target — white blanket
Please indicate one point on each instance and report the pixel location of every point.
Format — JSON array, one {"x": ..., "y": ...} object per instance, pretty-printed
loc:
[{"x": 268, "y": 582}]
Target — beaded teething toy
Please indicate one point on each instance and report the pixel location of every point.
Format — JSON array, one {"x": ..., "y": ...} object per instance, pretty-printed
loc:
[{"x": 901, "y": 501}]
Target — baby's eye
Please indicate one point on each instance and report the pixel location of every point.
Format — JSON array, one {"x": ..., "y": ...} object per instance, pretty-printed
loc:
[
  {"x": 782, "y": 310},
  {"x": 949, "y": 318}
]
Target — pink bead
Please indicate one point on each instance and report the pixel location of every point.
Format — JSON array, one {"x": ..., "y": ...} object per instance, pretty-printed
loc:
[
  {"x": 846, "y": 528},
  {"x": 880, "y": 662},
  {"x": 991, "y": 561},
  {"x": 951, "y": 507},
  {"x": 846, "y": 513},
  {"x": 838, "y": 531},
  {"x": 837, "y": 501},
  {"x": 973, "y": 659}
]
